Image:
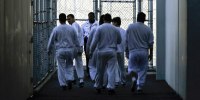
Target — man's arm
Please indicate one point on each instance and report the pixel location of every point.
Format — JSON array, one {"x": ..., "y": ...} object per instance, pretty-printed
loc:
[
  {"x": 150, "y": 53},
  {"x": 95, "y": 41},
  {"x": 151, "y": 42},
  {"x": 50, "y": 42}
]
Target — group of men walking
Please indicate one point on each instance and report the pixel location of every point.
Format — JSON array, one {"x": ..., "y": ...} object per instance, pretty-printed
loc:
[{"x": 104, "y": 45}]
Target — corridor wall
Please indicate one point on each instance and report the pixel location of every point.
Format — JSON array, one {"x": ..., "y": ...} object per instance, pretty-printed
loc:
[
  {"x": 193, "y": 50},
  {"x": 15, "y": 49},
  {"x": 176, "y": 45}
]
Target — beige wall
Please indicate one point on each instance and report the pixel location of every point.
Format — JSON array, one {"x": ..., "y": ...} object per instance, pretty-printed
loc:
[{"x": 16, "y": 50}]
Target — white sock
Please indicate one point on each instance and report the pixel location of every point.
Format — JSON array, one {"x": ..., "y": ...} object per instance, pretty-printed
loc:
[
  {"x": 81, "y": 80},
  {"x": 133, "y": 79}
]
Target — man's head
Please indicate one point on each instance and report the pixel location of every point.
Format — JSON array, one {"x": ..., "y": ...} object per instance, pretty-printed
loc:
[
  {"x": 107, "y": 18},
  {"x": 70, "y": 19},
  {"x": 141, "y": 17},
  {"x": 91, "y": 17},
  {"x": 62, "y": 18},
  {"x": 116, "y": 21},
  {"x": 101, "y": 19}
]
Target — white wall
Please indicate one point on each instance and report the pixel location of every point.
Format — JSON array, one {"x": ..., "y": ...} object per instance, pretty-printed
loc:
[
  {"x": 182, "y": 48},
  {"x": 171, "y": 42},
  {"x": 176, "y": 21}
]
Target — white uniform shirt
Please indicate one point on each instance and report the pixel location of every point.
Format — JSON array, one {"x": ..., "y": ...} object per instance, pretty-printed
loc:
[
  {"x": 139, "y": 36},
  {"x": 122, "y": 46},
  {"x": 63, "y": 36},
  {"x": 87, "y": 27},
  {"x": 106, "y": 38},
  {"x": 79, "y": 33}
]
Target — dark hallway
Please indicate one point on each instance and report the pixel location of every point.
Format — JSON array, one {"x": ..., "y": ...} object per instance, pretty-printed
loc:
[
  {"x": 154, "y": 90},
  {"x": 25, "y": 27}
]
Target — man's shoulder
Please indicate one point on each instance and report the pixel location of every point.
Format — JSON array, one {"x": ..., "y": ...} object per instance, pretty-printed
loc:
[
  {"x": 96, "y": 23},
  {"x": 75, "y": 24},
  {"x": 85, "y": 23},
  {"x": 122, "y": 30}
]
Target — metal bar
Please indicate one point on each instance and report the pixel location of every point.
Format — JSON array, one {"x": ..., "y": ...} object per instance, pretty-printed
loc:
[
  {"x": 118, "y": 1},
  {"x": 95, "y": 8},
  {"x": 150, "y": 22},
  {"x": 134, "y": 11},
  {"x": 150, "y": 13},
  {"x": 100, "y": 8},
  {"x": 139, "y": 5}
]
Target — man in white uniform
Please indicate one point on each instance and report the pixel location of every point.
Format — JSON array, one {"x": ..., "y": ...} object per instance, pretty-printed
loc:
[
  {"x": 65, "y": 41},
  {"x": 86, "y": 29},
  {"x": 106, "y": 39},
  {"x": 120, "y": 72},
  {"x": 93, "y": 58},
  {"x": 139, "y": 40},
  {"x": 78, "y": 58}
]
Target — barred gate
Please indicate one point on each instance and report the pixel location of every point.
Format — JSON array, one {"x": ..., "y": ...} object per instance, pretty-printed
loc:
[
  {"x": 45, "y": 14},
  {"x": 44, "y": 20},
  {"x": 80, "y": 9},
  {"x": 127, "y": 11}
]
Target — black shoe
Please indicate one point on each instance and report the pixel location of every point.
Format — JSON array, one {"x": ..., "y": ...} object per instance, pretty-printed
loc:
[
  {"x": 63, "y": 88},
  {"x": 81, "y": 84},
  {"x": 103, "y": 87},
  {"x": 116, "y": 84},
  {"x": 139, "y": 91},
  {"x": 69, "y": 85},
  {"x": 134, "y": 83},
  {"x": 123, "y": 84},
  {"x": 98, "y": 90},
  {"x": 74, "y": 82},
  {"x": 133, "y": 86},
  {"x": 111, "y": 91}
]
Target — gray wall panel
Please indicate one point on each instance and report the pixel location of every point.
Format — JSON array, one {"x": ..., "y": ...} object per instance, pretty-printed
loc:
[
  {"x": 160, "y": 40},
  {"x": 182, "y": 58},
  {"x": 16, "y": 69},
  {"x": 1, "y": 45}
]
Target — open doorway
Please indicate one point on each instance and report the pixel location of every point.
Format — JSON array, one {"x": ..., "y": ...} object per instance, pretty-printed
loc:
[
  {"x": 45, "y": 19},
  {"x": 126, "y": 9}
]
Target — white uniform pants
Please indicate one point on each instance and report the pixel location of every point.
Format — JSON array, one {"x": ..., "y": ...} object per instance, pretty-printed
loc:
[
  {"x": 120, "y": 69},
  {"x": 92, "y": 65},
  {"x": 65, "y": 65},
  {"x": 106, "y": 63},
  {"x": 79, "y": 66},
  {"x": 138, "y": 62}
]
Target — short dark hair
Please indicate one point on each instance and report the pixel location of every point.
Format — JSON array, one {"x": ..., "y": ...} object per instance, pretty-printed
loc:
[
  {"x": 141, "y": 17},
  {"x": 107, "y": 17},
  {"x": 91, "y": 13},
  {"x": 117, "y": 20},
  {"x": 62, "y": 17},
  {"x": 101, "y": 19},
  {"x": 70, "y": 15}
]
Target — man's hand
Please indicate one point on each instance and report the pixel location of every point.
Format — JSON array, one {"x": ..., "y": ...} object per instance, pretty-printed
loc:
[
  {"x": 49, "y": 52},
  {"x": 90, "y": 55},
  {"x": 150, "y": 57}
]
